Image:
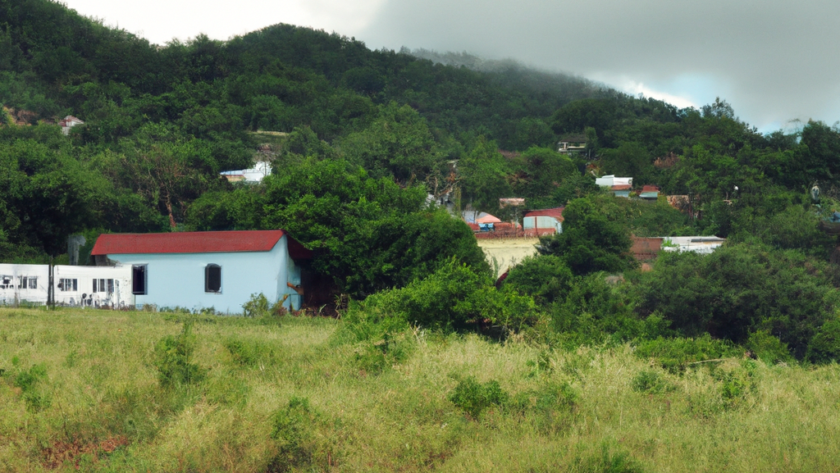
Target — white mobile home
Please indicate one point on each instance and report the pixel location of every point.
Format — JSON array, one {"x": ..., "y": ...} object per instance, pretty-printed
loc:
[
  {"x": 93, "y": 286},
  {"x": 24, "y": 283}
]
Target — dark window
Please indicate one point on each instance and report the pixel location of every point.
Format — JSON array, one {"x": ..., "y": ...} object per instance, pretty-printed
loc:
[
  {"x": 213, "y": 278},
  {"x": 138, "y": 279},
  {"x": 111, "y": 286},
  {"x": 33, "y": 283},
  {"x": 95, "y": 284}
]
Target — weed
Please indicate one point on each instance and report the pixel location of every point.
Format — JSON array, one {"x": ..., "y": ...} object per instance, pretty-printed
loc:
[
  {"x": 651, "y": 382},
  {"x": 173, "y": 357},
  {"x": 293, "y": 432},
  {"x": 607, "y": 461},
  {"x": 474, "y": 397},
  {"x": 377, "y": 356},
  {"x": 27, "y": 381}
]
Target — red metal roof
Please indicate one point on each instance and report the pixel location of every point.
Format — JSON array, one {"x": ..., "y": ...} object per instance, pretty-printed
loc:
[
  {"x": 622, "y": 187},
  {"x": 195, "y": 242},
  {"x": 650, "y": 189},
  {"x": 555, "y": 212}
]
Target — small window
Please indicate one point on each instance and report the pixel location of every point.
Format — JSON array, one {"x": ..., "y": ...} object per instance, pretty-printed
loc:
[
  {"x": 110, "y": 286},
  {"x": 138, "y": 279},
  {"x": 213, "y": 278},
  {"x": 33, "y": 283},
  {"x": 22, "y": 282},
  {"x": 66, "y": 285},
  {"x": 95, "y": 285}
]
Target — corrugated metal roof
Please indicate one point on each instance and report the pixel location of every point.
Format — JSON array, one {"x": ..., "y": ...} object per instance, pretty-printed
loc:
[
  {"x": 556, "y": 212},
  {"x": 194, "y": 242},
  {"x": 650, "y": 189},
  {"x": 621, "y": 187}
]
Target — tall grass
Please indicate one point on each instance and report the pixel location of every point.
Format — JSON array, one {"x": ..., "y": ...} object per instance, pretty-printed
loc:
[{"x": 294, "y": 395}]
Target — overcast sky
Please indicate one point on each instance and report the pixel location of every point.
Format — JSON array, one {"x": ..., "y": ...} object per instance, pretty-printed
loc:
[{"x": 773, "y": 60}]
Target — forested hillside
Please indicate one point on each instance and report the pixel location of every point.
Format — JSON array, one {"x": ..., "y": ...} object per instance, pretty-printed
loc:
[{"x": 359, "y": 138}]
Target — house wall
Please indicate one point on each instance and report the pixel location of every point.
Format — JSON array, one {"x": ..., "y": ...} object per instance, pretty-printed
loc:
[
  {"x": 542, "y": 222},
  {"x": 10, "y": 282},
  {"x": 83, "y": 295},
  {"x": 178, "y": 279}
]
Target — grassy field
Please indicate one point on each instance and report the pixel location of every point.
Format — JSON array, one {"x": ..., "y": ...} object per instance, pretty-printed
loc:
[{"x": 83, "y": 389}]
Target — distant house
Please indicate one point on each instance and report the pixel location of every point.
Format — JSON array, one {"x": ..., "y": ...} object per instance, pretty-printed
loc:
[
  {"x": 253, "y": 175},
  {"x": 572, "y": 144},
  {"x": 697, "y": 244},
  {"x": 543, "y": 222},
  {"x": 69, "y": 122},
  {"x": 649, "y": 192},
  {"x": 619, "y": 186},
  {"x": 199, "y": 270}
]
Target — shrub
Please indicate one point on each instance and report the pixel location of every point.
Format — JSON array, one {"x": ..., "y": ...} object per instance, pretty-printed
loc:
[
  {"x": 257, "y": 306},
  {"x": 651, "y": 382},
  {"x": 738, "y": 290},
  {"x": 172, "y": 358},
  {"x": 376, "y": 356},
  {"x": 825, "y": 346},
  {"x": 27, "y": 381},
  {"x": 293, "y": 431},
  {"x": 607, "y": 461},
  {"x": 248, "y": 352},
  {"x": 473, "y": 397},
  {"x": 545, "y": 278},
  {"x": 675, "y": 354},
  {"x": 452, "y": 297},
  {"x": 549, "y": 406},
  {"x": 767, "y": 348}
]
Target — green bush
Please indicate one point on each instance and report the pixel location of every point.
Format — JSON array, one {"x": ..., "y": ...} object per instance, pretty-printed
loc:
[
  {"x": 376, "y": 356},
  {"x": 453, "y": 297},
  {"x": 651, "y": 382},
  {"x": 293, "y": 431},
  {"x": 767, "y": 348},
  {"x": 676, "y": 354},
  {"x": 738, "y": 290},
  {"x": 545, "y": 278},
  {"x": 473, "y": 397},
  {"x": 172, "y": 358},
  {"x": 257, "y": 306},
  {"x": 607, "y": 461},
  {"x": 825, "y": 346},
  {"x": 28, "y": 380}
]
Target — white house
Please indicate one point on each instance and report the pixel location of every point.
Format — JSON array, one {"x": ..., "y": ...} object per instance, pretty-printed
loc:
[
  {"x": 69, "y": 122},
  {"x": 252, "y": 175}
]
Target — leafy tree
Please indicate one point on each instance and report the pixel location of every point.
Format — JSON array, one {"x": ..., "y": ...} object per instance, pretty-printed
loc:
[{"x": 592, "y": 240}]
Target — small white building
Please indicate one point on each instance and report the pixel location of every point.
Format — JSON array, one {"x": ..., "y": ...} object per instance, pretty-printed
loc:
[
  {"x": 253, "y": 175},
  {"x": 698, "y": 244},
  {"x": 27, "y": 283},
  {"x": 69, "y": 122},
  {"x": 93, "y": 286},
  {"x": 612, "y": 181}
]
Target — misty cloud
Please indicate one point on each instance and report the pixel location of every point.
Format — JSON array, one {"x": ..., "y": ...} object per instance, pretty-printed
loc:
[{"x": 772, "y": 60}]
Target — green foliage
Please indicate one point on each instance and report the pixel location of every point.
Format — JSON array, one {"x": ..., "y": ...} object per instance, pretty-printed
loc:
[
  {"x": 607, "y": 461},
  {"x": 545, "y": 278},
  {"x": 474, "y": 398},
  {"x": 592, "y": 240},
  {"x": 375, "y": 356},
  {"x": 28, "y": 381},
  {"x": 740, "y": 289},
  {"x": 294, "y": 436},
  {"x": 676, "y": 354},
  {"x": 651, "y": 382},
  {"x": 825, "y": 346},
  {"x": 769, "y": 348},
  {"x": 453, "y": 297},
  {"x": 173, "y": 359}
]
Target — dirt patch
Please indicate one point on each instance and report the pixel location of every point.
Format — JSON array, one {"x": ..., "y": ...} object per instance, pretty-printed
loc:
[{"x": 61, "y": 453}]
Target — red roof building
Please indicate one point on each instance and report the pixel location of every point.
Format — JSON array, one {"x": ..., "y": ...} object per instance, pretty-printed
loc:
[{"x": 195, "y": 242}]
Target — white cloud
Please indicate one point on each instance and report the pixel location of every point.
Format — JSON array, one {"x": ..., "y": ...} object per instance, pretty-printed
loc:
[{"x": 160, "y": 21}]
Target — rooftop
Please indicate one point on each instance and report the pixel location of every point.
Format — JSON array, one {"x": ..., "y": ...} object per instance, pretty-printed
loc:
[{"x": 195, "y": 242}]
